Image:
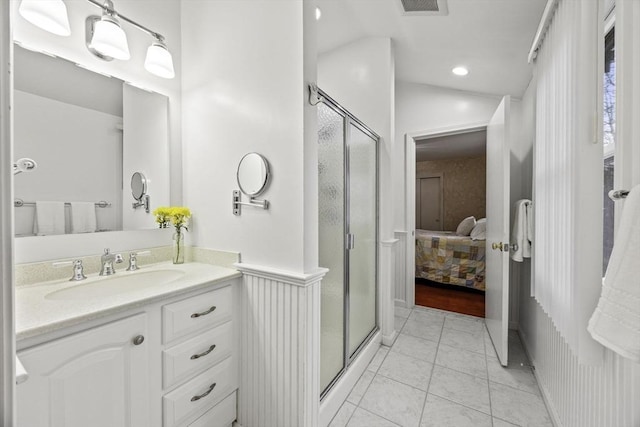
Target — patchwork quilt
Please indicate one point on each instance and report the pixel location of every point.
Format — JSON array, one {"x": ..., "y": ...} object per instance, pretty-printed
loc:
[{"x": 445, "y": 257}]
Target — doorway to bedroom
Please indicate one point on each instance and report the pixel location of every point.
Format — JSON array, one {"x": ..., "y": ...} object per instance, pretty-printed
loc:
[{"x": 450, "y": 213}]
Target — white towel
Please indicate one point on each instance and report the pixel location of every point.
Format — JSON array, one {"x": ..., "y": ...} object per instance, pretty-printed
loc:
[
  {"x": 616, "y": 321},
  {"x": 520, "y": 231},
  {"x": 49, "y": 218},
  {"x": 83, "y": 217}
]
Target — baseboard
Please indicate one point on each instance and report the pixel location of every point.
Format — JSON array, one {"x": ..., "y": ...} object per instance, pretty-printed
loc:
[
  {"x": 388, "y": 340},
  {"x": 555, "y": 419},
  {"x": 401, "y": 303}
]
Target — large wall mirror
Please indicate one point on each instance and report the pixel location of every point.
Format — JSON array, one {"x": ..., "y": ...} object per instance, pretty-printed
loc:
[{"x": 89, "y": 133}]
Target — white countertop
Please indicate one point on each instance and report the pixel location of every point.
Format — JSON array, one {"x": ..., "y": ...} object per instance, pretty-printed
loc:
[{"x": 37, "y": 314}]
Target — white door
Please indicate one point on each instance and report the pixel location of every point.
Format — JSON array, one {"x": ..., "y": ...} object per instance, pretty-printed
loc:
[
  {"x": 429, "y": 204},
  {"x": 497, "y": 249},
  {"x": 97, "y": 378}
]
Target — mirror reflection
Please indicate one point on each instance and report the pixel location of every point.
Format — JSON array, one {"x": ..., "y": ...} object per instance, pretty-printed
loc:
[
  {"x": 253, "y": 174},
  {"x": 87, "y": 131}
]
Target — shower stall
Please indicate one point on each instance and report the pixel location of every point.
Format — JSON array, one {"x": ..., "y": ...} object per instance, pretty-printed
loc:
[{"x": 348, "y": 237}]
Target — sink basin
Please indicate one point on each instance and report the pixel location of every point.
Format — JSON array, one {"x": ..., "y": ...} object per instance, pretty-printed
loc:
[{"x": 117, "y": 284}]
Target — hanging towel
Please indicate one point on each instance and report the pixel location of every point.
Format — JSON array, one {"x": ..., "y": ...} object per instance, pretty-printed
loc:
[
  {"x": 49, "y": 218},
  {"x": 616, "y": 321},
  {"x": 520, "y": 231},
  {"x": 83, "y": 217}
]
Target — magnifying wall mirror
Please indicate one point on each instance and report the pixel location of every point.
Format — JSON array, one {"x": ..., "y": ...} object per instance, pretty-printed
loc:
[
  {"x": 253, "y": 174},
  {"x": 139, "y": 191},
  {"x": 138, "y": 186}
]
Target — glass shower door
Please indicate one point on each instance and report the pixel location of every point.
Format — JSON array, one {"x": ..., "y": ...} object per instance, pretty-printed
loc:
[
  {"x": 362, "y": 224},
  {"x": 331, "y": 196},
  {"x": 348, "y": 206}
]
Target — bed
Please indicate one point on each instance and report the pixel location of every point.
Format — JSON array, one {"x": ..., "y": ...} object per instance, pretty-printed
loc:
[{"x": 445, "y": 257}]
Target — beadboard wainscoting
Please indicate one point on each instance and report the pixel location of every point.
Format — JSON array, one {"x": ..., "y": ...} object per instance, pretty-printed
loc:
[
  {"x": 401, "y": 272},
  {"x": 579, "y": 395},
  {"x": 280, "y": 364}
]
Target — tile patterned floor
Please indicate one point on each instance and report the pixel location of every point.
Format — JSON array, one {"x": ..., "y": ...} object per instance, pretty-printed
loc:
[{"x": 442, "y": 371}]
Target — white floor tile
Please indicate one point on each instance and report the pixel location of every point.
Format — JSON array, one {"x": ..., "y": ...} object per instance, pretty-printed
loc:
[
  {"x": 501, "y": 423},
  {"x": 522, "y": 379},
  {"x": 462, "y": 360},
  {"x": 378, "y": 358},
  {"x": 415, "y": 347},
  {"x": 394, "y": 401},
  {"x": 427, "y": 316},
  {"x": 440, "y": 412},
  {"x": 362, "y": 418},
  {"x": 402, "y": 311},
  {"x": 422, "y": 329},
  {"x": 461, "y": 388},
  {"x": 463, "y": 340},
  {"x": 398, "y": 323},
  {"x": 518, "y": 407},
  {"x": 465, "y": 325},
  {"x": 344, "y": 414},
  {"x": 407, "y": 370},
  {"x": 361, "y": 387}
]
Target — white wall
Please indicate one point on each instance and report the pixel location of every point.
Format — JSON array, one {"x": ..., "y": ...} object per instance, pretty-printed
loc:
[
  {"x": 244, "y": 90},
  {"x": 160, "y": 15}
]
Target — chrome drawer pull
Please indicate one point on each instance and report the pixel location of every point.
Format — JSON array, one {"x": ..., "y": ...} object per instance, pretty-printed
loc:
[
  {"x": 205, "y": 394},
  {"x": 204, "y": 313},
  {"x": 204, "y": 353}
]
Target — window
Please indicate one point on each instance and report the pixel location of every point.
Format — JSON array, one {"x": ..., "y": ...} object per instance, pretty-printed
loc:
[{"x": 609, "y": 133}]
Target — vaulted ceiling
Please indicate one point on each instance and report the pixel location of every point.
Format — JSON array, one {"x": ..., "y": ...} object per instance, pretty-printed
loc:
[{"x": 490, "y": 37}]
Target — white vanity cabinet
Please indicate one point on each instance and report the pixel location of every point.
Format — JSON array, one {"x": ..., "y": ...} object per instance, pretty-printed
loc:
[
  {"x": 170, "y": 363},
  {"x": 97, "y": 378}
]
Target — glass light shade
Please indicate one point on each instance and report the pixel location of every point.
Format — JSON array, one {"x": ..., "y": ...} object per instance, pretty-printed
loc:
[
  {"x": 109, "y": 39},
  {"x": 159, "y": 61},
  {"x": 50, "y": 15}
]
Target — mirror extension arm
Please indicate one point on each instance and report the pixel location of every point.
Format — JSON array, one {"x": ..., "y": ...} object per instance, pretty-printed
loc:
[
  {"x": 144, "y": 201},
  {"x": 237, "y": 202}
]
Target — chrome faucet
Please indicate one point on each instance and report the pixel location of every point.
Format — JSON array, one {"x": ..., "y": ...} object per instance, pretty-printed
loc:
[{"x": 107, "y": 261}]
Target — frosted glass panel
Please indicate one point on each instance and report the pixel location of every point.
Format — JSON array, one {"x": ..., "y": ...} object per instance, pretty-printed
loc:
[
  {"x": 331, "y": 239},
  {"x": 362, "y": 224}
]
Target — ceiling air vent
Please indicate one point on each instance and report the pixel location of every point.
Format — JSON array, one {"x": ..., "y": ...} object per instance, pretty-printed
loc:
[{"x": 424, "y": 7}]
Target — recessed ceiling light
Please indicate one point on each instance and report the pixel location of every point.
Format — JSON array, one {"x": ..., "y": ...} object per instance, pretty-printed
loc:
[
  {"x": 318, "y": 13},
  {"x": 460, "y": 71}
]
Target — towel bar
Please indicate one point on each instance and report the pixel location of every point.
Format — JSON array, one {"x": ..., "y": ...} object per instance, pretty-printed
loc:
[{"x": 18, "y": 203}]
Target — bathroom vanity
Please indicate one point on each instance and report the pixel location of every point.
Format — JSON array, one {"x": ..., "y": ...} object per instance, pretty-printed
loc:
[{"x": 156, "y": 347}]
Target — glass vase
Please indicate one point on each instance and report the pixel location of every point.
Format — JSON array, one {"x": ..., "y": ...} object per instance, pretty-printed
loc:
[{"x": 178, "y": 248}]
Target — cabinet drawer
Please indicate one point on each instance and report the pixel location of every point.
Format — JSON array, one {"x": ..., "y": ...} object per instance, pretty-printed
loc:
[
  {"x": 195, "y": 313},
  {"x": 198, "y": 394},
  {"x": 196, "y": 354},
  {"x": 221, "y": 415}
]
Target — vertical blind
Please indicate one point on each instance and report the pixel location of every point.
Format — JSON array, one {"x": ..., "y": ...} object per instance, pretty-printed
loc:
[{"x": 568, "y": 170}]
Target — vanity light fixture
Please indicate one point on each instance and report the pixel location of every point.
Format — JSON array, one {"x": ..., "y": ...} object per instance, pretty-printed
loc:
[
  {"x": 108, "y": 40},
  {"x": 159, "y": 61},
  {"x": 460, "y": 71},
  {"x": 318, "y": 14},
  {"x": 50, "y": 15},
  {"x": 105, "y": 38}
]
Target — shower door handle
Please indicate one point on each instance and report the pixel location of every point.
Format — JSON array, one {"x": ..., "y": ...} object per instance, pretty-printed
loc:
[{"x": 350, "y": 241}]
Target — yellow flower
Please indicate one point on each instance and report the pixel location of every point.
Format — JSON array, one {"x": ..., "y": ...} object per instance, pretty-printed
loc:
[{"x": 178, "y": 216}]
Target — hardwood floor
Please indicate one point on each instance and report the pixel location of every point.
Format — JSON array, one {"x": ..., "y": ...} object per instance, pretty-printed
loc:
[{"x": 450, "y": 298}]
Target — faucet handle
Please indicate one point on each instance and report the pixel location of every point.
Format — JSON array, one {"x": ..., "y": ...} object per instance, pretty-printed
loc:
[
  {"x": 133, "y": 259},
  {"x": 78, "y": 269}
]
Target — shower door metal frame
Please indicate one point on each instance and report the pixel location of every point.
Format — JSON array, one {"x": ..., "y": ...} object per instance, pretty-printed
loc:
[{"x": 349, "y": 119}]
